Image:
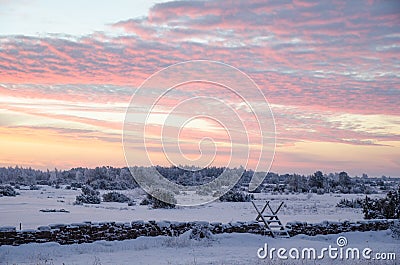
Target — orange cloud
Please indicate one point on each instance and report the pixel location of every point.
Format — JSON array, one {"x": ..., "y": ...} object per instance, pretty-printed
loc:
[
  {"x": 45, "y": 148},
  {"x": 323, "y": 65}
]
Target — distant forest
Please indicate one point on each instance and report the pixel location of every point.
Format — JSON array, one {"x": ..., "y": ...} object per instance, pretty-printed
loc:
[{"x": 112, "y": 178}]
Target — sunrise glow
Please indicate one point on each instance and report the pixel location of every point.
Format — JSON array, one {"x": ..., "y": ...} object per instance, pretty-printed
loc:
[{"x": 329, "y": 69}]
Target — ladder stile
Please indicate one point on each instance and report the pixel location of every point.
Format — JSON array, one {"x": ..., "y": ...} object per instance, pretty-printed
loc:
[{"x": 271, "y": 221}]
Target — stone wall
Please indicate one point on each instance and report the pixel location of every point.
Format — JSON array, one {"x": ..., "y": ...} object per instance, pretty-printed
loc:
[
  {"x": 324, "y": 228},
  {"x": 87, "y": 232}
]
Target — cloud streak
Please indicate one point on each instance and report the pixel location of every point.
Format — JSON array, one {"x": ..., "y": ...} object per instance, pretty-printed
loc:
[{"x": 329, "y": 69}]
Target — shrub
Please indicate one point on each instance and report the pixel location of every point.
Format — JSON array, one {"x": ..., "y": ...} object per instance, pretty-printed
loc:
[
  {"x": 388, "y": 207},
  {"x": 395, "y": 228},
  {"x": 115, "y": 197},
  {"x": 203, "y": 191},
  {"x": 34, "y": 187},
  {"x": 76, "y": 185},
  {"x": 345, "y": 203},
  {"x": 88, "y": 196},
  {"x": 371, "y": 209},
  {"x": 54, "y": 211},
  {"x": 7, "y": 191},
  {"x": 167, "y": 199},
  {"x": 43, "y": 182},
  {"x": 200, "y": 232},
  {"x": 145, "y": 201},
  {"x": 236, "y": 196}
]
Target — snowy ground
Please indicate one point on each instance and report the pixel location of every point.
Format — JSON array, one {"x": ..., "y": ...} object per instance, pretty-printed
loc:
[
  {"x": 221, "y": 249},
  {"x": 26, "y": 207}
]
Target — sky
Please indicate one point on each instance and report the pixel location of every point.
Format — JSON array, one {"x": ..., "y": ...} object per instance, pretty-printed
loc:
[{"x": 330, "y": 71}]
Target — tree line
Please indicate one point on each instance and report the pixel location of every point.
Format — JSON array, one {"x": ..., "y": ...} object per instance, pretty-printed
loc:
[{"x": 113, "y": 178}]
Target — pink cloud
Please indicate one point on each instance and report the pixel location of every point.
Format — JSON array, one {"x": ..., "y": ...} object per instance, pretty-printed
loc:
[{"x": 319, "y": 57}]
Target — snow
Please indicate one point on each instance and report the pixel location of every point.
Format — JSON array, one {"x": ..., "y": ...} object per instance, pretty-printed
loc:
[
  {"x": 221, "y": 249},
  {"x": 7, "y": 229},
  {"x": 44, "y": 228},
  {"x": 26, "y": 207}
]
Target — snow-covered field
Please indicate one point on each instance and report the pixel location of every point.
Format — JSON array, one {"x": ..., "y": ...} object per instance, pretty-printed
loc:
[
  {"x": 221, "y": 249},
  {"x": 26, "y": 207}
]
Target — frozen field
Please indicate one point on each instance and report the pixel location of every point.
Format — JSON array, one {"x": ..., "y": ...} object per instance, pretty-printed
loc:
[
  {"x": 221, "y": 249},
  {"x": 26, "y": 207}
]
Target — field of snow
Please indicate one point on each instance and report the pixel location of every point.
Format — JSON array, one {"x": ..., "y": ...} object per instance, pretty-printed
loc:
[
  {"x": 221, "y": 249},
  {"x": 25, "y": 208}
]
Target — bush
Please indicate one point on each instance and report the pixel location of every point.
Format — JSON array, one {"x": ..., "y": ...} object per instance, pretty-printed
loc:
[
  {"x": 388, "y": 207},
  {"x": 345, "y": 203},
  {"x": 34, "y": 187},
  {"x": 145, "y": 201},
  {"x": 88, "y": 196},
  {"x": 43, "y": 182},
  {"x": 167, "y": 199},
  {"x": 76, "y": 185},
  {"x": 204, "y": 191},
  {"x": 236, "y": 196},
  {"x": 395, "y": 228},
  {"x": 371, "y": 209},
  {"x": 200, "y": 232},
  {"x": 54, "y": 211},
  {"x": 7, "y": 191},
  {"x": 115, "y": 197}
]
